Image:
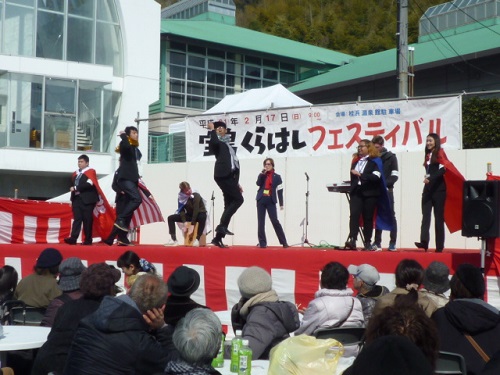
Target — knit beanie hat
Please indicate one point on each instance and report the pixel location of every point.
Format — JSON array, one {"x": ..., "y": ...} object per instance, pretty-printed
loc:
[
  {"x": 48, "y": 258},
  {"x": 472, "y": 279},
  {"x": 254, "y": 280},
  {"x": 391, "y": 355}
]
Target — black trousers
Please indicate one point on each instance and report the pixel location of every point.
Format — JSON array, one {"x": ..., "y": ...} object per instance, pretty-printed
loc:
[
  {"x": 121, "y": 203},
  {"x": 432, "y": 200},
  {"x": 82, "y": 214},
  {"x": 176, "y": 218},
  {"x": 364, "y": 207},
  {"x": 394, "y": 231},
  {"x": 233, "y": 199},
  {"x": 134, "y": 200},
  {"x": 266, "y": 204}
]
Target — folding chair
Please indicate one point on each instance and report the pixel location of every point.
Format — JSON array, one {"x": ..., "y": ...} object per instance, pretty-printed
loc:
[
  {"x": 347, "y": 336},
  {"x": 450, "y": 363},
  {"x": 16, "y": 312}
]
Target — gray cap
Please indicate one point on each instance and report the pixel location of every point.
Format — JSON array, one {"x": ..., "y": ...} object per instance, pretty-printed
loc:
[
  {"x": 436, "y": 277},
  {"x": 365, "y": 272},
  {"x": 70, "y": 272}
]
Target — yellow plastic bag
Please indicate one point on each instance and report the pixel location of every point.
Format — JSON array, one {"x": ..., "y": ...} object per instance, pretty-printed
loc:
[{"x": 305, "y": 355}]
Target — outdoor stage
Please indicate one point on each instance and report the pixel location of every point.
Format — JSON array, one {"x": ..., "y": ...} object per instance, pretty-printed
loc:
[{"x": 295, "y": 270}]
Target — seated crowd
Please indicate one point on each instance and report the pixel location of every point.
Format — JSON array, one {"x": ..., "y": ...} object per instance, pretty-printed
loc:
[{"x": 155, "y": 327}]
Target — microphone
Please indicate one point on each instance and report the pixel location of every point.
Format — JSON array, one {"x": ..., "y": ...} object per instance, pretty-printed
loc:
[
  {"x": 212, "y": 195},
  {"x": 263, "y": 171},
  {"x": 307, "y": 176}
]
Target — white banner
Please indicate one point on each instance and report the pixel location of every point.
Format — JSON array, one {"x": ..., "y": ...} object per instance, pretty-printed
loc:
[{"x": 325, "y": 130}]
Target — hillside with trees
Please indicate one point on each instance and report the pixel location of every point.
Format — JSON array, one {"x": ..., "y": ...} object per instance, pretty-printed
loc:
[{"x": 356, "y": 27}]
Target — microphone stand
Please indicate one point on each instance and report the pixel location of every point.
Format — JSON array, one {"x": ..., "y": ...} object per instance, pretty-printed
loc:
[
  {"x": 213, "y": 213},
  {"x": 306, "y": 223}
]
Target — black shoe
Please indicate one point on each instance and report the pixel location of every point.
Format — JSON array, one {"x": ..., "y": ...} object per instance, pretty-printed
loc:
[
  {"x": 422, "y": 245},
  {"x": 223, "y": 230},
  {"x": 286, "y": 246},
  {"x": 120, "y": 224},
  {"x": 261, "y": 246},
  {"x": 350, "y": 245},
  {"x": 108, "y": 242},
  {"x": 218, "y": 242},
  {"x": 439, "y": 250},
  {"x": 87, "y": 243},
  {"x": 70, "y": 241},
  {"x": 124, "y": 243}
]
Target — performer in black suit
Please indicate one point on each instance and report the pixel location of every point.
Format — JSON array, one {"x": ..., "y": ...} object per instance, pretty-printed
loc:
[
  {"x": 226, "y": 176},
  {"x": 84, "y": 197},
  {"x": 366, "y": 180},
  {"x": 269, "y": 193},
  {"x": 128, "y": 175}
]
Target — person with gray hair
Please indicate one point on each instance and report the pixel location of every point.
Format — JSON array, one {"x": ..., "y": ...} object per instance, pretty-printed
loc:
[
  {"x": 125, "y": 335},
  {"x": 197, "y": 337}
]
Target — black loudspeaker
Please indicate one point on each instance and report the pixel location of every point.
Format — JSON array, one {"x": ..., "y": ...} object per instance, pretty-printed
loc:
[{"x": 481, "y": 202}]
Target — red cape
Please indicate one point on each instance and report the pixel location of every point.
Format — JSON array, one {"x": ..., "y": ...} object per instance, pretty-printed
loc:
[{"x": 454, "y": 194}]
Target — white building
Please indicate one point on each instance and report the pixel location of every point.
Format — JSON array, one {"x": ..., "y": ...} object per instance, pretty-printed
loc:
[{"x": 72, "y": 73}]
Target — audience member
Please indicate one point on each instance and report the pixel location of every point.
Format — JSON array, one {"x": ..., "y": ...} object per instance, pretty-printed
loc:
[
  {"x": 334, "y": 304},
  {"x": 366, "y": 278},
  {"x": 409, "y": 275},
  {"x": 8, "y": 283},
  {"x": 391, "y": 355},
  {"x": 39, "y": 288},
  {"x": 197, "y": 337},
  {"x": 70, "y": 272},
  {"x": 406, "y": 318},
  {"x": 264, "y": 320},
  {"x": 96, "y": 282},
  {"x": 468, "y": 325},
  {"x": 133, "y": 266},
  {"x": 182, "y": 283},
  {"x": 125, "y": 335},
  {"x": 436, "y": 282}
]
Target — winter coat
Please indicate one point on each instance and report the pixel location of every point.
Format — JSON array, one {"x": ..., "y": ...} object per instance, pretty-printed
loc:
[
  {"x": 115, "y": 339},
  {"x": 52, "y": 355},
  {"x": 472, "y": 316},
  {"x": 329, "y": 308},
  {"x": 266, "y": 321},
  {"x": 388, "y": 300},
  {"x": 368, "y": 300},
  {"x": 180, "y": 367}
]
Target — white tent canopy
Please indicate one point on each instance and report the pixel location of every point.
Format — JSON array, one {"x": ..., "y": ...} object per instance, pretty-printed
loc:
[{"x": 276, "y": 96}]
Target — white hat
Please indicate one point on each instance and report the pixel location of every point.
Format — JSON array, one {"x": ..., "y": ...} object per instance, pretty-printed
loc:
[{"x": 365, "y": 272}]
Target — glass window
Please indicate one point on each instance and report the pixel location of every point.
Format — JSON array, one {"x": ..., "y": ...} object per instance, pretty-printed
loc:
[
  {"x": 82, "y": 8},
  {"x": 178, "y": 46},
  {"x": 177, "y": 58},
  {"x": 30, "y": 3},
  {"x": 176, "y": 100},
  {"x": 4, "y": 95},
  {"x": 211, "y": 102},
  {"x": 216, "y": 78},
  {"x": 18, "y": 36},
  {"x": 195, "y": 102},
  {"x": 216, "y": 65},
  {"x": 252, "y": 71},
  {"x": 287, "y": 77},
  {"x": 197, "y": 49},
  {"x": 55, "y": 5},
  {"x": 60, "y": 96},
  {"x": 195, "y": 88},
  {"x": 271, "y": 64},
  {"x": 197, "y": 75},
  {"x": 216, "y": 53},
  {"x": 80, "y": 49},
  {"x": 196, "y": 61},
  {"x": 177, "y": 72},
  {"x": 215, "y": 91},
  {"x": 271, "y": 74},
  {"x": 59, "y": 131},
  {"x": 253, "y": 60},
  {"x": 49, "y": 35},
  {"x": 106, "y": 11},
  {"x": 177, "y": 86},
  {"x": 287, "y": 66},
  {"x": 252, "y": 83},
  {"x": 108, "y": 47},
  {"x": 89, "y": 117}
]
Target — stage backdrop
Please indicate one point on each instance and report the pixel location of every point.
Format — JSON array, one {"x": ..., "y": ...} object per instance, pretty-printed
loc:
[{"x": 331, "y": 129}]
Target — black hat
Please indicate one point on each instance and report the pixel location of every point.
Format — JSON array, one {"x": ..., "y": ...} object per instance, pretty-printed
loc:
[
  {"x": 472, "y": 279},
  {"x": 391, "y": 355},
  {"x": 48, "y": 258},
  {"x": 183, "y": 282},
  {"x": 436, "y": 277}
]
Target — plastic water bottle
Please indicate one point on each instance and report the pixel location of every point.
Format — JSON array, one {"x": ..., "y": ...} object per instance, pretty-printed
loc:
[
  {"x": 218, "y": 362},
  {"x": 245, "y": 359},
  {"x": 235, "y": 350}
]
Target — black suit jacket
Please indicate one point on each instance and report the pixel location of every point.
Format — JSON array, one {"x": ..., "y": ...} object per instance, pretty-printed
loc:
[
  {"x": 276, "y": 195},
  {"x": 128, "y": 161},
  {"x": 222, "y": 166},
  {"x": 87, "y": 192},
  {"x": 370, "y": 182}
]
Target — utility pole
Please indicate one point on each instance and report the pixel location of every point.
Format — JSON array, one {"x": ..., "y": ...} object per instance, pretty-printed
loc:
[{"x": 402, "y": 50}]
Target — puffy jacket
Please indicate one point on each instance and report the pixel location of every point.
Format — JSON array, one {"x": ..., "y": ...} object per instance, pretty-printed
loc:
[
  {"x": 472, "y": 316},
  {"x": 115, "y": 340},
  {"x": 329, "y": 308}
]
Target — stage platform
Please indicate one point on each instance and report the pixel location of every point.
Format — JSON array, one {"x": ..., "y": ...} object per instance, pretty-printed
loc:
[{"x": 295, "y": 270}]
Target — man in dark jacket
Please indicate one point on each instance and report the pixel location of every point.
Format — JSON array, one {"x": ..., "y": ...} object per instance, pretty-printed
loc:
[
  {"x": 226, "y": 176},
  {"x": 467, "y": 320},
  {"x": 84, "y": 197},
  {"x": 265, "y": 321},
  {"x": 391, "y": 174},
  {"x": 125, "y": 335}
]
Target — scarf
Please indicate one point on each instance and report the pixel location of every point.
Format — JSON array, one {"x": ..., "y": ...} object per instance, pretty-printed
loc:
[
  {"x": 270, "y": 296},
  {"x": 132, "y": 142},
  {"x": 235, "y": 163}
]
